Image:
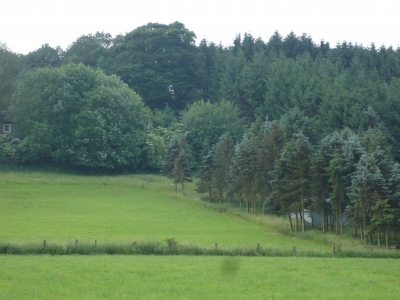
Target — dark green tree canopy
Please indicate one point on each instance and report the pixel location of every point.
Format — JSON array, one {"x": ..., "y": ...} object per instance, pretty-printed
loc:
[
  {"x": 79, "y": 116},
  {"x": 160, "y": 62}
]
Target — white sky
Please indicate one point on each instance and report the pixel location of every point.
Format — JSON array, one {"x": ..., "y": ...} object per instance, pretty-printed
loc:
[{"x": 27, "y": 24}]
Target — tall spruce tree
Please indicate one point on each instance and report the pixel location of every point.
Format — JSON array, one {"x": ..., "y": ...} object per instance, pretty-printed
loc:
[
  {"x": 206, "y": 174},
  {"x": 183, "y": 165},
  {"x": 223, "y": 153}
]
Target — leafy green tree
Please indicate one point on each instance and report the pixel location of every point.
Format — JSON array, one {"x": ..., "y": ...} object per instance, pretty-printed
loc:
[
  {"x": 157, "y": 140},
  {"x": 89, "y": 49},
  {"x": 205, "y": 120},
  {"x": 45, "y": 56},
  {"x": 79, "y": 116},
  {"x": 160, "y": 62},
  {"x": 10, "y": 66}
]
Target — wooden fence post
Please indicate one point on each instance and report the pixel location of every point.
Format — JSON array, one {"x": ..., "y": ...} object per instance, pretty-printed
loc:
[
  {"x": 216, "y": 245},
  {"x": 258, "y": 247},
  {"x": 44, "y": 244},
  {"x": 294, "y": 249},
  {"x": 76, "y": 243},
  {"x": 95, "y": 243},
  {"x": 333, "y": 250}
]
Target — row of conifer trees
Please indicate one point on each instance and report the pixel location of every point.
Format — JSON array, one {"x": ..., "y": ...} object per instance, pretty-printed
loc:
[{"x": 353, "y": 178}]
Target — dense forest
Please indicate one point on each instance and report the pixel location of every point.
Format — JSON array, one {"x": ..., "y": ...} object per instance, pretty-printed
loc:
[{"x": 288, "y": 122}]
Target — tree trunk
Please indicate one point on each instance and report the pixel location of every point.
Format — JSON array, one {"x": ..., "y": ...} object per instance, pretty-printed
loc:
[
  {"x": 312, "y": 221},
  {"x": 341, "y": 220},
  {"x": 297, "y": 222},
  {"x": 379, "y": 241},
  {"x": 336, "y": 222},
  {"x": 365, "y": 230},
  {"x": 209, "y": 195},
  {"x": 355, "y": 231},
  {"x": 361, "y": 233},
  {"x": 323, "y": 218},
  {"x": 303, "y": 225},
  {"x": 183, "y": 188},
  {"x": 247, "y": 206},
  {"x": 176, "y": 187},
  {"x": 291, "y": 225},
  {"x": 386, "y": 237}
]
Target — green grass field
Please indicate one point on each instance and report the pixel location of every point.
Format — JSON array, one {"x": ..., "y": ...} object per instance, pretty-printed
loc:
[
  {"x": 196, "y": 277},
  {"x": 61, "y": 208}
]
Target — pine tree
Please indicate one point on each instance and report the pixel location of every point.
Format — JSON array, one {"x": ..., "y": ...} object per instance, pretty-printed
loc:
[
  {"x": 172, "y": 153},
  {"x": 178, "y": 162},
  {"x": 382, "y": 217},
  {"x": 223, "y": 153},
  {"x": 335, "y": 170},
  {"x": 207, "y": 169},
  {"x": 292, "y": 176},
  {"x": 183, "y": 165},
  {"x": 320, "y": 186}
]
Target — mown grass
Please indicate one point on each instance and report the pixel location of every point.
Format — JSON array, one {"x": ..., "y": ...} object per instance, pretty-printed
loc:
[
  {"x": 196, "y": 277},
  {"x": 60, "y": 208}
]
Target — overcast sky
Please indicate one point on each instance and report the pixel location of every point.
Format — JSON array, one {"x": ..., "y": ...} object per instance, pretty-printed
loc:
[{"x": 27, "y": 24}]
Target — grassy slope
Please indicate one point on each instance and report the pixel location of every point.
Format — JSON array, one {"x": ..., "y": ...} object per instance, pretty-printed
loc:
[
  {"x": 197, "y": 277},
  {"x": 62, "y": 208}
]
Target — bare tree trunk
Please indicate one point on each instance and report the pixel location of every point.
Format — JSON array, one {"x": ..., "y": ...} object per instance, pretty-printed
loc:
[
  {"x": 323, "y": 218},
  {"x": 290, "y": 220},
  {"x": 209, "y": 195},
  {"x": 386, "y": 237},
  {"x": 336, "y": 222},
  {"x": 361, "y": 233},
  {"x": 355, "y": 231},
  {"x": 312, "y": 221},
  {"x": 176, "y": 187},
  {"x": 365, "y": 230},
  {"x": 303, "y": 225},
  {"x": 379, "y": 242},
  {"x": 247, "y": 206},
  {"x": 297, "y": 222},
  {"x": 183, "y": 189},
  {"x": 341, "y": 220}
]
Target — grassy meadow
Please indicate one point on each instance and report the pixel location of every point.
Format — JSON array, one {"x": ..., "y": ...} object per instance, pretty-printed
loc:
[
  {"x": 37, "y": 206},
  {"x": 196, "y": 277}
]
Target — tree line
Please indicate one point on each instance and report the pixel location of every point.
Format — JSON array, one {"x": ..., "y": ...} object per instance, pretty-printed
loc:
[{"x": 350, "y": 177}]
